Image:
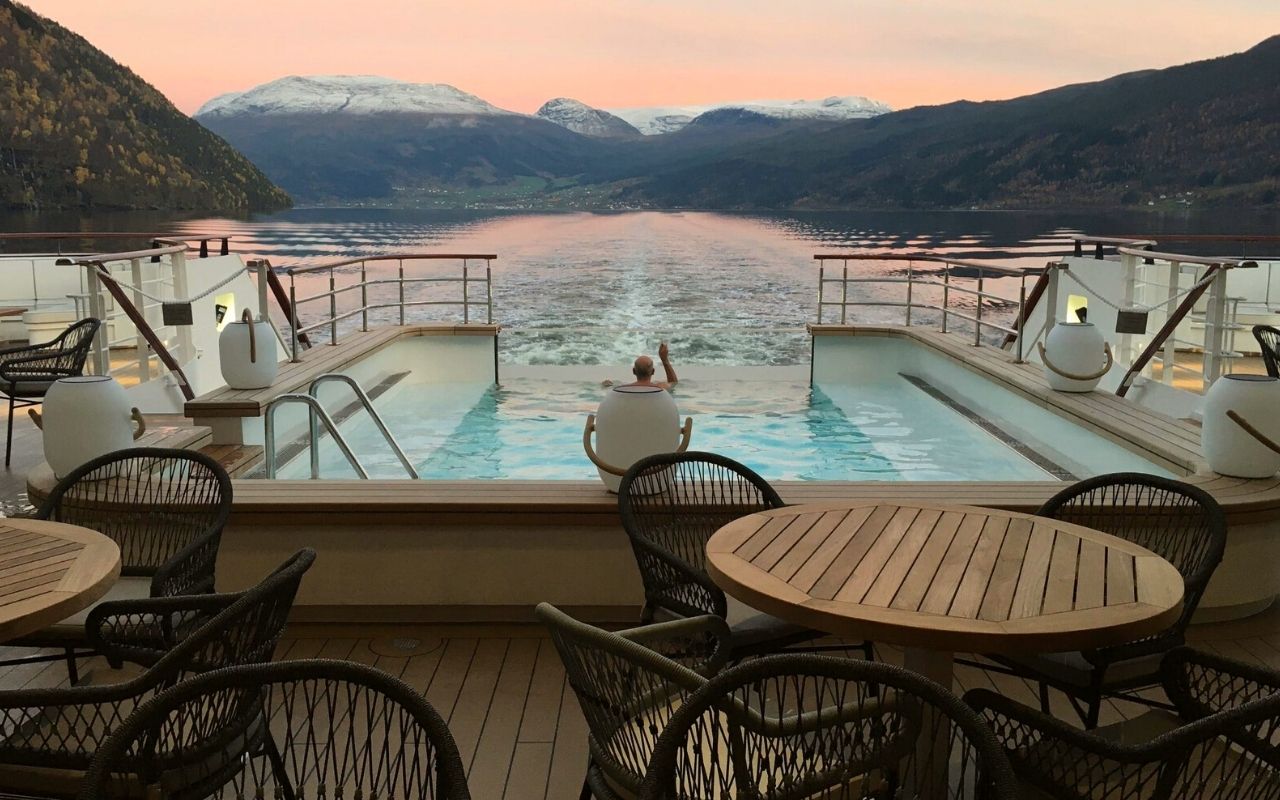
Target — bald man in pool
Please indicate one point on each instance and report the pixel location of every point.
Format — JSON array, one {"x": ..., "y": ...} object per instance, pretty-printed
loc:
[{"x": 643, "y": 370}]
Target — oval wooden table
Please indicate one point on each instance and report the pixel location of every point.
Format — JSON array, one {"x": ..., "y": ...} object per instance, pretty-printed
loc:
[
  {"x": 942, "y": 579},
  {"x": 49, "y": 571}
]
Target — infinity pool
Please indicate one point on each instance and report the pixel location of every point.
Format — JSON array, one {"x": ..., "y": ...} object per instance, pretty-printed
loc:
[
  {"x": 879, "y": 410},
  {"x": 532, "y": 428}
]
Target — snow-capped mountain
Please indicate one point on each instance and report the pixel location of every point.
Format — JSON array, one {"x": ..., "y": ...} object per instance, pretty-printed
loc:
[
  {"x": 349, "y": 94},
  {"x": 668, "y": 119},
  {"x": 582, "y": 118}
]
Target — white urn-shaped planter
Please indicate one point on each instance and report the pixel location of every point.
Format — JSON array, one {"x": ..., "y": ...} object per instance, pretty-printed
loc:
[
  {"x": 83, "y": 418},
  {"x": 631, "y": 423},
  {"x": 1075, "y": 357},
  {"x": 247, "y": 353},
  {"x": 1241, "y": 426}
]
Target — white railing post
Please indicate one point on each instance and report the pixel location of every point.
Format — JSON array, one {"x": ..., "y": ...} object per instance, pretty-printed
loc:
[
  {"x": 182, "y": 291},
  {"x": 264, "y": 308},
  {"x": 98, "y": 310},
  {"x": 822, "y": 279},
  {"x": 139, "y": 340},
  {"x": 1169, "y": 352},
  {"x": 1214, "y": 328},
  {"x": 1129, "y": 264}
]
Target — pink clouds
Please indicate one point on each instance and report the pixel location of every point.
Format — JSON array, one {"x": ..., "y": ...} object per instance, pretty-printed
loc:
[{"x": 617, "y": 53}]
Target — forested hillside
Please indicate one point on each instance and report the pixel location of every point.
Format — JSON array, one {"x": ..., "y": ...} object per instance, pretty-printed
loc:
[{"x": 78, "y": 130}]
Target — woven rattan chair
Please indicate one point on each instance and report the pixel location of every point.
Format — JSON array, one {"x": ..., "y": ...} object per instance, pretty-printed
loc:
[
  {"x": 787, "y": 727},
  {"x": 164, "y": 508},
  {"x": 337, "y": 730},
  {"x": 1222, "y": 743},
  {"x": 670, "y": 505},
  {"x": 1269, "y": 343},
  {"x": 49, "y": 736},
  {"x": 1179, "y": 523},
  {"x": 27, "y": 371},
  {"x": 628, "y": 684}
]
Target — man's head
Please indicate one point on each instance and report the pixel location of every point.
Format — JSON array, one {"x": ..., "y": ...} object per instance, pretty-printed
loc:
[{"x": 643, "y": 369}]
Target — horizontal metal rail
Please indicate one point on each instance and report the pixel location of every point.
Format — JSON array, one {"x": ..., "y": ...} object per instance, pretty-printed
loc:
[
  {"x": 466, "y": 280},
  {"x": 932, "y": 258}
]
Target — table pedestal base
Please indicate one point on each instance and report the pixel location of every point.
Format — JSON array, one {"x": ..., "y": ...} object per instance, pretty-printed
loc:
[{"x": 929, "y": 777}]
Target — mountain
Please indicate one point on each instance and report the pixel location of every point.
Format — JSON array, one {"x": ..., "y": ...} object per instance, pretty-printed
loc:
[
  {"x": 1206, "y": 132},
  {"x": 78, "y": 130},
  {"x": 344, "y": 138},
  {"x": 347, "y": 94},
  {"x": 582, "y": 118},
  {"x": 669, "y": 119}
]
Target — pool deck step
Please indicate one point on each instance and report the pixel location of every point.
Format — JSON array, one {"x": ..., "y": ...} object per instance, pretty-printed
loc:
[{"x": 316, "y": 361}]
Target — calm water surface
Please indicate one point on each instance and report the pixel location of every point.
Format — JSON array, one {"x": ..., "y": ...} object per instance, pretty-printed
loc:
[{"x": 596, "y": 288}]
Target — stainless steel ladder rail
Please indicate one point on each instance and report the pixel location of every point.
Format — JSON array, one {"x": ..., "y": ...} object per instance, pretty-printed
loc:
[
  {"x": 329, "y": 377},
  {"x": 314, "y": 411}
]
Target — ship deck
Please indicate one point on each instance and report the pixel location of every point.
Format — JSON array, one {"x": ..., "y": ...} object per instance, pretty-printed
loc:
[{"x": 501, "y": 686}]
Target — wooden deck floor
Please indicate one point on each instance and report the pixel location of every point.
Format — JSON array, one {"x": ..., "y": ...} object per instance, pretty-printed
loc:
[{"x": 503, "y": 690}]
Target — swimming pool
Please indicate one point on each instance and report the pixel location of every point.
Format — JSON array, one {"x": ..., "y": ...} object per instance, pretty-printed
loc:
[{"x": 893, "y": 415}]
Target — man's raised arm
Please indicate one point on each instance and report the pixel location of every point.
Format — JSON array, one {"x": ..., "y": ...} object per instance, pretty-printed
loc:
[{"x": 667, "y": 369}]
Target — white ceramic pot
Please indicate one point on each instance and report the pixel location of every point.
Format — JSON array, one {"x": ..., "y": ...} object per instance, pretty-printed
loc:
[
  {"x": 1075, "y": 357},
  {"x": 1227, "y": 445},
  {"x": 247, "y": 353},
  {"x": 631, "y": 423},
  {"x": 83, "y": 418}
]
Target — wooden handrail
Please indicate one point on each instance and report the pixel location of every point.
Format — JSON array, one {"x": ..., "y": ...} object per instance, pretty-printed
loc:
[
  {"x": 392, "y": 257},
  {"x": 1208, "y": 261},
  {"x": 1167, "y": 330},
  {"x": 1033, "y": 299},
  {"x": 140, "y": 322},
  {"x": 929, "y": 257},
  {"x": 281, "y": 296}
]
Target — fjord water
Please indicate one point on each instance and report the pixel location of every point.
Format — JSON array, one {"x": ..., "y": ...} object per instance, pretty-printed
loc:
[{"x": 597, "y": 288}]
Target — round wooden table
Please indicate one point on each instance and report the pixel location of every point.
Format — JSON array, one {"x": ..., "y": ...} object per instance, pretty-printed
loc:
[
  {"x": 944, "y": 579},
  {"x": 49, "y": 571}
]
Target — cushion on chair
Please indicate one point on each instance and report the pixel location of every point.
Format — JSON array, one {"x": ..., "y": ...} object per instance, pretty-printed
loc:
[
  {"x": 71, "y": 629},
  {"x": 1073, "y": 669},
  {"x": 26, "y": 389},
  {"x": 754, "y": 631}
]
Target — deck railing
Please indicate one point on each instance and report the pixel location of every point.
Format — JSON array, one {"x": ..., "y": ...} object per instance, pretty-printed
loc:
[
  {"x": 967, "y": 278},
  {"x": 358, "y": 269}
]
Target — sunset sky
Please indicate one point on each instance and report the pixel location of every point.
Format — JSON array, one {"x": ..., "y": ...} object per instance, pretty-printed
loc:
[{"x": 619, "y": 53}]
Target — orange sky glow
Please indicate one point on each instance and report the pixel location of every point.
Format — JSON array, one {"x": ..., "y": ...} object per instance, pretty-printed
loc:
[{"x": 619, "y": 53}]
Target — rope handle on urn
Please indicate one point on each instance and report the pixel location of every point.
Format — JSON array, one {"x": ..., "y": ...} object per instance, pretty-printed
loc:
[
  {"x": 1252, "y": 431},
  {"x": 686, "y": 431},
  {"x": 1044, "y": 357},
  {"x": 134, "y": 414}
]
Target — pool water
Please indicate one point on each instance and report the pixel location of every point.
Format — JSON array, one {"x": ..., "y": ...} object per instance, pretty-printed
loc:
[{"x": 531, "y": 428}]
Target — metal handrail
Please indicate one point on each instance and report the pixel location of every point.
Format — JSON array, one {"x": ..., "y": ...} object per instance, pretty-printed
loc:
[
  {"x": 911, "y": 281},
  {"x": 314, "y": 411},
  {"x": 299, "y": 331},
  {"x": 314, "y": 390}
]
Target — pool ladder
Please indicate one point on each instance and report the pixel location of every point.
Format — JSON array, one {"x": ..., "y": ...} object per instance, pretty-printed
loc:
[{"x": 316, "y": 415}]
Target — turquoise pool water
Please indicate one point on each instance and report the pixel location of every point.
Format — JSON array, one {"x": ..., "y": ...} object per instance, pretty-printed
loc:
[{"x": 887, "y": 430}]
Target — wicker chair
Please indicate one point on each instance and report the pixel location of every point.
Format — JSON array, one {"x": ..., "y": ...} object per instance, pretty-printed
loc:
[
  {"x": 1269, "y": 343},
  {"x": 48, "y": 737},
  {"x": 787, "y": 727},
  {"x": 1178, "y": 522},
  {"x": 164, "y": 508},
  {"x": 337, "y": 729},
  {"x": 1222, "y": 744},
  {"x": 670, "y": 505},
  {"x": 628, "y": 684},
  {"x": 27, "y": 371}
]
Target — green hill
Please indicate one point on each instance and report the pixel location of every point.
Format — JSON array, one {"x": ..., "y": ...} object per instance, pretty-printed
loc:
[
  {"x": 78, "y": 130},
  {"x": 1210, "y": 128}
]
